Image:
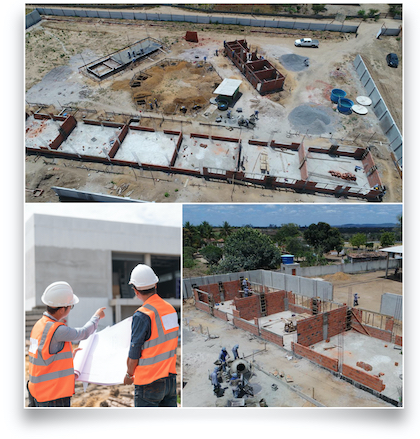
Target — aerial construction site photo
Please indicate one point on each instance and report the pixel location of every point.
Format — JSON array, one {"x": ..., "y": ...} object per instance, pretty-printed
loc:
[{"x": 203, "y": 103}]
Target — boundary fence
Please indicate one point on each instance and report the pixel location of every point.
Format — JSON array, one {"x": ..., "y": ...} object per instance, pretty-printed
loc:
[
  {"x": 381, "y": 111},
  {"x": 199, "y": 19}
]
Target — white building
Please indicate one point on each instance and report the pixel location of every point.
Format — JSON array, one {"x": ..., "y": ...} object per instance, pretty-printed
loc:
[{"x": 96, "y": 258}]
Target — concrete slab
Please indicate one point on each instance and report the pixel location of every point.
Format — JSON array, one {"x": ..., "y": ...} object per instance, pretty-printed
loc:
[
  {"x": 90, "y": 140},
  {"x": 379, "y": 354},
  {"x": 40, "y": 132},
  {"x": 215, "y": 154},
  {"x": 319, "y": 166},
  {"x": 279, "y": 164},
  {"x": 150, "y": 147}
]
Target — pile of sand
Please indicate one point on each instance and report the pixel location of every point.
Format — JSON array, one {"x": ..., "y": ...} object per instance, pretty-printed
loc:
[{"x": 337, "y": 276}]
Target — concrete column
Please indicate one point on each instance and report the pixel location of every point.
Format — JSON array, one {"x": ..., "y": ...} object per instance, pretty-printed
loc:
[{"x": 148, "y": 259}]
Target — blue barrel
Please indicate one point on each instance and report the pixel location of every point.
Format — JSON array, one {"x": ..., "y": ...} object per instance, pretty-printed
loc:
[
  {"x": 344, "y": 106},
  {"x": 336, "y": 94},
  {"x": 287, "y": 259}
]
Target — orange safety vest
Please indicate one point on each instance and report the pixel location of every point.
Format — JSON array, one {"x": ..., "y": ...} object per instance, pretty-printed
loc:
[
  {"x": 158, "y": 356},
  {"x": 51, "y": 376}
]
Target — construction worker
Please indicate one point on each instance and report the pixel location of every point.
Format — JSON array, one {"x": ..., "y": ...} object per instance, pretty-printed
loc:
[
  {"x": 235, "y": 351},
  {"x": 355, "y": 300},
  {"x": 215, "y": 380},
  {"x": 222, "y": 357},
  {"x": 151, "y": 362},
  {"x": 51, "y": 372}
]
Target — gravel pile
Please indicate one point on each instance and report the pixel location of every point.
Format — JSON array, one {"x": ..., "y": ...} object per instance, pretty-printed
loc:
[
  {"x": 293, "y": 62},
  {"x": 313, "y": 120}
]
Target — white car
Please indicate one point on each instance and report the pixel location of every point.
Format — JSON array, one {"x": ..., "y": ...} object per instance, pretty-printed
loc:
[{"x": 306, "y": 42}]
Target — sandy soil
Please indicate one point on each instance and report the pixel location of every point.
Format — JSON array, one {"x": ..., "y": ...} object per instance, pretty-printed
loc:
[{"x": 56, "y": 48}]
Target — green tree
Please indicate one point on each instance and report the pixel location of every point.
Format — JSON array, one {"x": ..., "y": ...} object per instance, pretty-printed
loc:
[
  {"x": 387, "y": 239},
  {"x": 318, "y": 8},
  {"x": 212, "y": 254},
  {"x": 249, "y": 249},
  {"x": 296, "y": 247},
  {"x": 191, "y": 236},
  {"x": 324, "y": 238},
  {"x": 358, "y": 239},
  {"x": 205, "y": 230},
  {"x": 285, "y": 232},
  {"x": 187, "y": 257},
  {"x": 225, "y": 230}
]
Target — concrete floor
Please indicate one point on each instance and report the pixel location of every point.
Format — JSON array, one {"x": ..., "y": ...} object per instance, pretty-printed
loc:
[
  {"x": 380, "y": 354},
  {"x": 40, "y": 132},
  {"x": 154, "y": 148},
  {"x": 89, "y": 140}
]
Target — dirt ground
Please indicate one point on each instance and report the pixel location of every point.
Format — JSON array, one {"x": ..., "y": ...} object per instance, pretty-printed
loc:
[
  {"x": 57, "y": 47},
  {"x": 106, "y": 396}
]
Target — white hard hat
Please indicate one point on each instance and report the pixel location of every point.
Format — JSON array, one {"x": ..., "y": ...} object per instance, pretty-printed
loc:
[
  {"x": 59, "y": 294},
  {"x": 143, "y": 277}
]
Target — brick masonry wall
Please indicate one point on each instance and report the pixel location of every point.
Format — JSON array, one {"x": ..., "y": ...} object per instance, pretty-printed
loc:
[
  {"x": 248, "y": 307},
  {"x": 275, "y": 301},
  {"x": 220, "y": 314},
  {"x": 398, "y": 340},
  {"x": 212, "y": 289},
  {"x": 271, "y": 337},
  {"x": 336, "y": 321},
  {"x": 310, "y": 330},
  {"x": 246, "y": 326},
  {"x": 372, "y": 331},
  {"x": 322, "y": 360},
  {"x": 231, "y": 289},
  {"x": 371, "y": 381}
]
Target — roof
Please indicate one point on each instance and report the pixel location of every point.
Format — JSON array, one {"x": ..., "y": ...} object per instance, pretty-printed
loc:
[
  {"x": 396, "y": 249},
  {"x": 228, "y": 87}
]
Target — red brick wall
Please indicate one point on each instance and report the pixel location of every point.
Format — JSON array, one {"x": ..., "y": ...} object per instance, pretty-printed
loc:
[
  {"x": 220, "y": 314},
  {"x": 398, "y": 340},
  {"x": 322, "y": 360},
  {"x": 270, "y": 336},
  {"x": 336, "y": 321},
  {"x": 212, "y": 289},
  {"x": 372, "y": 331},
  {"x": 242, "y": 324},
  {"x": 248, "y": 307},
  {"x": 275, "y": 301},
  {"x": 309, "y": 331},
  {"x": 364, "y": 378},
  {"x": 231, "y": 289}
]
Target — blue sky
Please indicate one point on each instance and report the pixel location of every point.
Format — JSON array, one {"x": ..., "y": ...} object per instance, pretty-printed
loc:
[{"x": 260, "y": 215}]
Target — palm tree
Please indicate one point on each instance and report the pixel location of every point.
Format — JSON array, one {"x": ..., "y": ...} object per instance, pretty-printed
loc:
[{"x": 225, "y": 230}]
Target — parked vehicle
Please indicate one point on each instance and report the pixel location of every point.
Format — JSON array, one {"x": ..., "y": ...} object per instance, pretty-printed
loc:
[
  {"x": 306, "y": 42},
  {"x": 392, "y": 60}
]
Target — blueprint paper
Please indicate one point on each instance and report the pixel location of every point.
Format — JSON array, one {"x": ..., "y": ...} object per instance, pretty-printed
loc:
[{"x": 103, "y": 358}]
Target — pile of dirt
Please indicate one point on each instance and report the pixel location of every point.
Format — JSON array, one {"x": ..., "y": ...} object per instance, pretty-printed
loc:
[
  {"x": 337, "y": 276},
  {"x": 174, "y": 84}
]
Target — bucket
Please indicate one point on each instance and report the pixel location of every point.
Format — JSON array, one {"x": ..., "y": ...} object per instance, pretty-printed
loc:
[
  {"x": 336, "y": 94},
  {"x": 287, "y": 259},
  {"x": 344, "y": 106}
]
